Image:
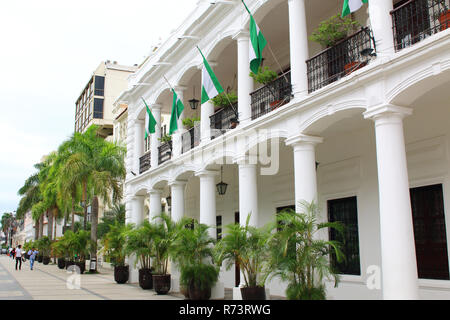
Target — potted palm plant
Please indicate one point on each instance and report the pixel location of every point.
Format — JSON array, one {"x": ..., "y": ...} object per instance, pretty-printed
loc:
[
  {"x": 193, "y": 249},
  {"x": 300, "y": 257},
  {"x": 165, "y": 232},
  {"x": 60, "y": 250},
  {"x": 45, "y": 249},
  {"x": 139, "y": 243},
  {"x": 247, "y": 246},
  {"x": 80, "y": 243},
  {"x": 114, "y": 248}
]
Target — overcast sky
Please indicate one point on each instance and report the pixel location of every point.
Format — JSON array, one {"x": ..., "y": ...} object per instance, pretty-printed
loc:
[{"x": 49, "y": 50}]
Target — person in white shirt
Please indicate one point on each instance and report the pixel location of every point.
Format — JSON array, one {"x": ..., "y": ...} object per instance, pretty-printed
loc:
[{"x": 19, "y": 253}]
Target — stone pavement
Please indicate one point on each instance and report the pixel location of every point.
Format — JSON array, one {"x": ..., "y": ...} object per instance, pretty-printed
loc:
[{"x": 50, "y": 283}]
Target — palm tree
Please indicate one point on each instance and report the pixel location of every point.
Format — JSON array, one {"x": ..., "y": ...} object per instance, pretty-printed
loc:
[
  {"x": 98, "y": 167},
  {"x": 300, "y": 257},
  {"x": 7, "y": 222},
  {"x": 31, "y": 195}
]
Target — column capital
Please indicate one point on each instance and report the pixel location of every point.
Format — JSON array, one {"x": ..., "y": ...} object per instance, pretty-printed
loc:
[
  {"x": 242, "y": 34},
  {"x": 180, "y": 88},
  {"x": 155, "y": 191},
  {"x": 302, "y": 139},
  {"x": 388, "y": 110},
  {"x": 137, "y": 197},
  {"x": 156, "y": 106},
  {"x": 246, "y": 160},
  {"x": 211, "y": 64},
  {"x": 206, "y": 173},
  {"x": 175, "y": 183}
]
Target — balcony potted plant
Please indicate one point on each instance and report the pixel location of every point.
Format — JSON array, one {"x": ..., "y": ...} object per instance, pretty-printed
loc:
[
  {"x": 265, "y": 76},
  {"x": 193, "y": 251},
  {"x": 442, "y": 14},
  {"x": 166, "y": 139},
  {"x": 224, "y": 101},
  {"x": 332, "y": 31},
  {"x": 189, "y": 123},
  {"x": 114, "y": 249},
  {"x": 247, "y": 246},
  {"x": 165, "y": 233},
  {"x": 300, "y": 257},
  {"x": 139, "y": 243}
]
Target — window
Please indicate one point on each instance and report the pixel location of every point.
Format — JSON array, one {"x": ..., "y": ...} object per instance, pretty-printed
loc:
[
  {"x": 98, "y": 108},
  {"x": 430, "y": 236},
  {"x": 219, "y": 227},
  {"x": 345, "y": 211},
  {"x": 99, "y": 85}
]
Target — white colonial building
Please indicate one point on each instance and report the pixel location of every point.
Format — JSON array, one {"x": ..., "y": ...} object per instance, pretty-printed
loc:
[{"x": 363, "y": 127}]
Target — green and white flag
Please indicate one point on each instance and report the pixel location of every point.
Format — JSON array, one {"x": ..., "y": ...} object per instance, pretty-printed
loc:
[
  {"x": 150, "y": 121},
  {"x": 177, "y": 109},
  {"x": 210, "y": 84},
  {"x": 352, "y": 6},
  {"x": 257, "y": 43}
]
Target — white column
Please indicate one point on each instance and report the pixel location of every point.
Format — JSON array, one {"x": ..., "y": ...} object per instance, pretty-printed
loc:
[
  {"x": 155, "y": 143},
  {"x": 208, "y": 200},
  {"x": 155, "y": 204},
  {"x": 137, "y": 214},
  {"x": 381, "y": 23},
  {"x": 206, "y": 111},
  {"x": 304, "y": 168},
  {"x": 298, "y": 37},
  {"x": 398, "y": 255},
  {"x": 138, "y": 143},
  {"x": 248, "y": 193},
  {"x": 177, "y": 191},
  {"x": 245, "y": 82},
  {"x": 208, "y": 216}
]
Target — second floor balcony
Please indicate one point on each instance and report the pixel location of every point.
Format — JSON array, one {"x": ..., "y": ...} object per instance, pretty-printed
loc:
[
  {"x": 340, "y": 60},
  {"x": 165, "y": 152},
  {"x": 144, "y": 163},
  {"x": 222, "y": 120},
  {"x": 190, "y": 139},
  {"x": 271, "y": 96}
]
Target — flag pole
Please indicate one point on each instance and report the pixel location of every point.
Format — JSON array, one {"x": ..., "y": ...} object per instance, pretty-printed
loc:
[{"x": 168, "y": 82}]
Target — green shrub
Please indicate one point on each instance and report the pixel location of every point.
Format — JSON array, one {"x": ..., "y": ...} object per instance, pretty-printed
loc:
[
  {"x": 333, "y": 30},
  {"x": 264, "y": 76},
  {"x": 223, "y": 100}
]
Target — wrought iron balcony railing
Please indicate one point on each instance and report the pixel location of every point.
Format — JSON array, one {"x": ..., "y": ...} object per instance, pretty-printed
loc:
[
  {"x": 416, "y": 20},
  {"x": 165, "y": 152},
  {"x": 223, "y": 120},
  {"x": 271, "y": 96},
  {"x": 346, "y": 56},
  {"x": 144, "y": 163},
  {"x": 190, "y": 139}
]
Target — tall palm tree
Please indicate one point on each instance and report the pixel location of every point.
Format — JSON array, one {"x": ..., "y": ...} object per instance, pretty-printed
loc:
[
  {"x": 31, "y": 195},
  {"x": 6, "y": 222},
  {"x": 98, "y": 167}
]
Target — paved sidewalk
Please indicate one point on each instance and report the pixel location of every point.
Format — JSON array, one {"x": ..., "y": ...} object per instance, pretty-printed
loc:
[{"x": 50, "y": 283}]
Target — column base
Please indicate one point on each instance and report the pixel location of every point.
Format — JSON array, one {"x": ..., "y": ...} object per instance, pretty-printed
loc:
[
  {"x": 175, "y": 284},
  {"x": 134, "y": 275},
  {"x": 218, "y": 291}
]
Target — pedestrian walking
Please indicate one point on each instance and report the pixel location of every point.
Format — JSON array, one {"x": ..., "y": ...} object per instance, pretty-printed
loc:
[
  {"x": 19, "y": 253},
  {"x": 33, "y": 254},
  {"x": 13, "y": 253}
]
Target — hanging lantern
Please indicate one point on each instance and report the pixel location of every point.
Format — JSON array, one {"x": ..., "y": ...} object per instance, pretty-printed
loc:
[
  {"x": 193, "y": 102},
  {"x": 169, "y": 201},
  {"x": 221, "y": 186}
]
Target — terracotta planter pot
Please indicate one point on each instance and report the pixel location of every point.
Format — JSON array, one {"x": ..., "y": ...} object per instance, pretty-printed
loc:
[
  {"x": 145, "y": 279},
  {"x": 161, "y": 283},
  {"x": 198, "y": 294},
  {"x": 46, "y": 260},
  {"x": 61, "y": 263},
  {"x": 121, "y": 274},
  {"x": 444, "y": 20},
  {"x": 253, "y": 293}
]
